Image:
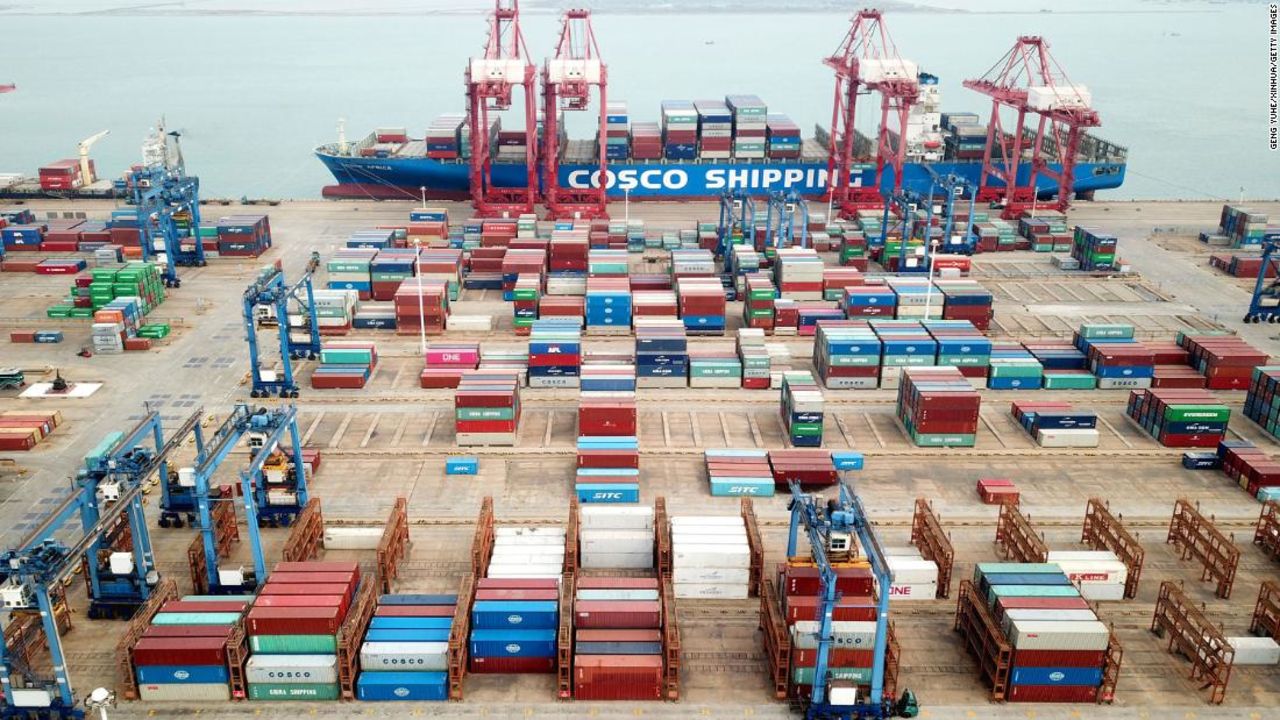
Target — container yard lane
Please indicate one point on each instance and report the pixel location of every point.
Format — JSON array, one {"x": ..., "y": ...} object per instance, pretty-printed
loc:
[{"x": 390, "y": 439}]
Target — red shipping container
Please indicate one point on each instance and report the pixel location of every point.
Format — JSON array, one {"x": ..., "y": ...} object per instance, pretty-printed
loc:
[
  {"x": 1058, "y": 658},
  {"x": 17, "y": 441},
  {"x": 610, "y": 614},
  {"x": 608, "y": 459},
  {"x": 839, "y": 658},
  {"x": 513, "y": 665},
  {"x": 1052, "y": 693},
  {"x": 303, "y": 601},
  {"x": 617, "y": 677},
  {"x": 618, "y": 636},
  {"x": 516, "y": 583},
  {"x": 414, "y": 611},
  {"x": 318, "y": 566},
  {"x": 293, "y": 621},
  {"x": 312, "y": 578},
  {"x": 856, "y": 582},
  {"x": 800, "y": 607},
  {"x": 616, "y": 583},
  {"x": 512, "y": 594},
  {"x": 180, "y": 651}
]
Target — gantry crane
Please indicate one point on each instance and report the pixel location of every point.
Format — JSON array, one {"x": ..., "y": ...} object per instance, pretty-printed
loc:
[
  {"x": 832, "y": 530},
  {"x": 786, "y": 211},
  {"x": 275, "y": 298},
  {"x": 1028, "y": 80},
  {"x": 87, "y": 175},
  {"x": 1264, "y": 306},
  {"x": 491, "y": 80},
  {"x": 107, "y": 498},
  {"x": 955, "y": 188},
  {"x": 737, "y": 220},
  {"x": 567, "y": 79},
  {"x": 900, "y": 211},
  {"x": 273, "y": 487},
  {"x": 867, "y": 60},
  {"x": 168, "y": 205}
]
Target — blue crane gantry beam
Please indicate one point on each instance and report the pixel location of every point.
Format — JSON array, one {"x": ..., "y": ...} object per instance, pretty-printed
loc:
[
  {"x": 163, "y": 193},
  {"x": 1264, "y": 306},
  {"x": 845, "y": 516},
  {"x": 270, "y": 290},
  {"x": 955, "y": 188},
  {"x": 737, "y": 212},
  {"x": 108, "y": 487},
  {"x": 785, "y": 211}
]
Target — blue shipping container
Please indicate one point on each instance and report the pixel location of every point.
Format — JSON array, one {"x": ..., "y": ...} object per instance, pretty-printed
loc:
[
  {"x": 1061, "y": 676},
  {"x": 513, "y": 643},
  {"x": 411, "y": 623},
  {"x": 391, "y": 686},
  {"x": 495, "y": 614},
  {"x": 407, "y": 636},
  {"x": 181, "y": 674}
]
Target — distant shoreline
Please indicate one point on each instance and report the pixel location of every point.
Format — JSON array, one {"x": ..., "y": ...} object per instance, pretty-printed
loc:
[{"x": 708, "y": 10}]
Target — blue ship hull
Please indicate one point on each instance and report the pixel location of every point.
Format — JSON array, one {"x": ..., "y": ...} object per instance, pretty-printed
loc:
[{"x": 393, "y": 177}]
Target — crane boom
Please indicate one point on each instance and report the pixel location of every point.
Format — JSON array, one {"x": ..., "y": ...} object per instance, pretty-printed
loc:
[{"x": 86, "y": 169}]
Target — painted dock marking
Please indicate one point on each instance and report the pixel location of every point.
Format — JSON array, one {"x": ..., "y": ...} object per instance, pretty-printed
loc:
[
  {"x": 724, "y": 429},
  {"x": 306, "y": 438},
  {"x": 431, "y": 428},
  {"x": 404, "y": 422},
  {"x": 755, "y": 430},
  {"x": 551, "y": 421},
  {"x": 844, "y": 431},
  {"x": 373, "y": 427},
  {"x": 697, "y": 433},
  {"x": 342, "y": 429},
  {"x": 874, "y": 430},
  {"x": 395, "y": 379},
  {"x": 987, "y": 422},
  {"x": 1115, "y": 432},
  {"x": 666, "y": 430}
]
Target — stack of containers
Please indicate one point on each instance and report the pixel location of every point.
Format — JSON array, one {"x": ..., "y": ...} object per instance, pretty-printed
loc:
[
  {"x": 1099, "y": 575},
  {"x": 444, "y": 137},
  {"x": 335, "y": 311},
  {"x": 346, "y": 365},
  {"x": 965, "y": 139},
  {"x": 757, "y": 310},
  {"x": 914, "y": 577},
  {"x": 608, "y": 469},
  {"x": 555, "y": 353},
  {"x": 517, "y": 610},
  {"x": 24, "y": 429},
  {"x": 739, "y": 473},
  {"x": 646, "y": 141},
  {"x": 446, "y": 362},
  {"x": 487, "y": 407},
  {"x": 798, "y": 273},
  {"x": 376, "y": 239},
  {"x": 415, "y": 629},
  {"x": 710, "y": 557},
  {"x": 1014, "y": 368},
  {"x": 292, "y": 630},
  {"x": 1180, "y": 418},
  {"x": 349, "y": 269},
  {"x": 1226, "y": 360},
  {"x": 1093, "y": 249},
  {"x": 847, "y": 357},
  {"x": 1057, "y": 424},
  {"x": 1256, "y": 472},
  {"x": 1260, "y": 404},
  {"x": 1058, "y": 642},
  {"x": 662, "y": 352},
  {"x": 569, "y": 251},
  {"x": 904, "y": 343},
  {"x": 617, "y": 131},
  {"x": 715, "y": 130},
  {"x": 938, "y": 407},
  {"x": 525, "y": 295},
  {"x": 753, "y": 355},
  {"x": 608, "y": 304},
  {"x": 783, "y": 137},
  {"x": 750, "y": 126},
  {"x": 862, "y": 301},
  {"x": 966, "y": 300},
  {"x": 653, "y": 303},
  {"x": 836, "y": 279},
  {"x": 961, "y": 345},
  {"x": 802, "y": 409},
  {"x": 810, "y": 468},
  {"x": 518, "y": 261},
  {"x": 1121, "y": 365},
  {"x": 618, "y": 651},
  {"x": 241, "y": 235},
  {"x": 422, "y": 304},
  {"x": 714, "y": 366},
  {"x": 616, "y": 536},
  {"x": 702, "y": 304},
  {"x": 1245, "y": 226},
  {"x": 851, "y": 656},
  {"x": 917, "y": 300},
  {"x": 182, "y": 656},
  {"x": 679, "y": 130}
]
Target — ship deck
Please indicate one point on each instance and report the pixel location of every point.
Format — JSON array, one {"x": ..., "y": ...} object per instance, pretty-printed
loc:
[{"x": 391, "y": 438}]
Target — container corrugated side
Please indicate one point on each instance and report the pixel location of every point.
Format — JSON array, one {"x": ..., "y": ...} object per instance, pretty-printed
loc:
[
  {"x": 293, "y": 644},
  {"x": 392, "y": 686},
  {"x": 185, "y": 692},
  {"x": 286, "y": 691},
  {"x": 1053, "y": 635},
  {"x": 404, "y": 656},
  {"x": 292, "y": 669}
]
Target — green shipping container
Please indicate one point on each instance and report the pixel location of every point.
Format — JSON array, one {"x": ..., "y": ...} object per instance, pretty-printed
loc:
[
  {"x": 1197, "y": 413},
  {"x": 804, "y": 676},
  {"x": 953, "y": 440},
  {"x": 478, "y": 413},
  {"x": 293, "y": 644},
  {"x": 806, "y": 429},
  {"x": 280, "y": 691},
  {"x": 1002, "y": 591},
  {"x": 998, "y": 568},
  {"x": 1070, "y": 382},
  {"x": 186, "y": 618}
]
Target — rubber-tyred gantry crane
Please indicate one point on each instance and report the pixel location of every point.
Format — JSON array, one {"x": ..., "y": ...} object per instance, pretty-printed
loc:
[
  {"x": 867, "y": 60},
  {"x": 1028, "y": 80},
  {"x": 567, "y": 79},
  {"x": 491, "y": 82}
]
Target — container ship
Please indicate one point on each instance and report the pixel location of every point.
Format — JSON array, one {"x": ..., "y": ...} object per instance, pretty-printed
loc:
[{"x": 697, "y": 151}]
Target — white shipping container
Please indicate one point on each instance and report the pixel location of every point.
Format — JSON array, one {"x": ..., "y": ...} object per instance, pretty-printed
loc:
[
  {"x": 176, "y": 692},
  {"x": 1069, "y": 438},
  {"x": 528, "y": 532},
  {"x": 404, "y": 656},
  {"x": 710, "y": 575},
  {"x": 703, "y": 538},
  {"x": 26, "y": 697},
  {"x": 913, "y": 591},
  {"x": 1100, "y": 592},
  {"x": 621, "y": 561},
  {"x": 909, "y": 551},
  {"x": 352, "y": 538},
  {"x": 1094, "y": 572},
  {"x": 710, "y": 591},
  {"x": 292, "y": 669},
  {"x": 1028, "y": 615},
  {"x": 616, "y": 517},
  {"x": 508, "y": 557},
  {"x": 1255, "y": 650},
  {"x": 1054, "y": 635},
  {"x": 706, "y": 521},
  {"x": 616, "y": 541},
  {"x": 845, "y": 634},
  {"x": 622, "y": 594},
  {"x": 912, "y": 571},
  {"x": 525, "y": 570},
  {"x": 711, "y": 556}
]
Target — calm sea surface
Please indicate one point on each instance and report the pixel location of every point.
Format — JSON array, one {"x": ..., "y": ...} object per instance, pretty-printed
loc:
[{"x": 1183, "y": 85}]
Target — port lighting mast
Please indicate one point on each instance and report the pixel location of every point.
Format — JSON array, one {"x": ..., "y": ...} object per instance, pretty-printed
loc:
[
  {"x": 567, "y": 79},
  {"x": 1029, "y": 81},
  {"x": 867, "y": 60},
  {"x": 491, "y": 81}
]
